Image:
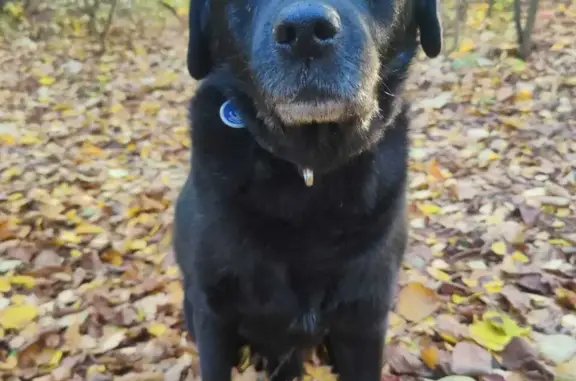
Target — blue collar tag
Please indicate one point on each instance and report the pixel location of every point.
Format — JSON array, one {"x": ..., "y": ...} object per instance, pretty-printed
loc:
[{"x": 229, "y": 115}]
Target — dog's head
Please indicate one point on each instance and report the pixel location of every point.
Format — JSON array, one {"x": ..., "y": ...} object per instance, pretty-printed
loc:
[{"x": 316, "y": 72}]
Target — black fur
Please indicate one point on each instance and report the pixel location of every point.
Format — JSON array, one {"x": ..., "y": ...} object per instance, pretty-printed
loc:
[{"x": 266, "y": 260}]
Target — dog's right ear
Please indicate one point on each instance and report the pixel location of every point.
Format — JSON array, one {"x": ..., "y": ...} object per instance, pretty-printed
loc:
[
  {"x": 428, "y": 20},
  {"x": 199, "y": 59}
]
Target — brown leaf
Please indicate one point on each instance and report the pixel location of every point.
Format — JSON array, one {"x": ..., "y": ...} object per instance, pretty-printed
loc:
[
  {"x": 519, "y": 356},
  {"x": 471, "y": 359},
  {"x": 517, "y": 299},
  {"x": 47, "y": 258},
  {"x": 534, "y": 283},
  {"x": 416, "y": 302},
  {"x": 529, "y": 214},
  {"x": 402, "y": 361},
  {"x": 450, "y": 329},
  {"x": 516, "y": 353}
]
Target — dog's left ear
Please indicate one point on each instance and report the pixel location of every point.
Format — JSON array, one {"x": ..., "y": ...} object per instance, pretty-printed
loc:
[
  {"x": 199, "y": 59},
  {"x": 428, "y": 19}
]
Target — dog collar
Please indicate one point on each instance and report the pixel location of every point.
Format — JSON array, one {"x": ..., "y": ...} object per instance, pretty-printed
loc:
[{"x": 231, "y": 117}]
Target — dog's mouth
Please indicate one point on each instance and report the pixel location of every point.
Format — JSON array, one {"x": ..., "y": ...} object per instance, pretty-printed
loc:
[{"x": 312, "y": 111}]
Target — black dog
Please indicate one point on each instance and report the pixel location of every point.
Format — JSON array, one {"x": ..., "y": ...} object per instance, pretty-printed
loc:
[{"x": 290, "y": 231}]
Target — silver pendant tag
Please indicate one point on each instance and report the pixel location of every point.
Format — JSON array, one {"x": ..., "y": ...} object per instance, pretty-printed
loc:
[{"x": 308, "y": 176}]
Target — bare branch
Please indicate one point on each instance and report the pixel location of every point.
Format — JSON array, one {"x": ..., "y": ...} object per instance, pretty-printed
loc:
[{"x": 108, "y": 24}]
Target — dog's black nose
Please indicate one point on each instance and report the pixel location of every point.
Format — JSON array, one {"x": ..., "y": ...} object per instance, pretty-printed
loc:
[{"x": 307, "y": 27}]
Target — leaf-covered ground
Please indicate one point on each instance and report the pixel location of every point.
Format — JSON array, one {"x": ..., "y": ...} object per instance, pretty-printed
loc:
[{"x": 93, "y": 150}]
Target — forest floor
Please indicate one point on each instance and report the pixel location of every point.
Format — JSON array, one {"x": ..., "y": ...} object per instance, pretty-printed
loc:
[{"x": 94, "y": 148}]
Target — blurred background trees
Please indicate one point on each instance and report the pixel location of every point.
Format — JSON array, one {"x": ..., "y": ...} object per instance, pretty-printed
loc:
[{"x": 98, "y": 17}]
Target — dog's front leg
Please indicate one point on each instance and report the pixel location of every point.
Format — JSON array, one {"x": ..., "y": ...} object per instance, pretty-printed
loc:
[
  {"x": 356, "y": 353},
  {"x": 217, "y": 343}
]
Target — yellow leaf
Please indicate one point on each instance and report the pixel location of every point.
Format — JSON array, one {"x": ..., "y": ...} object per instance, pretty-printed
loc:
[
  {"x": 92, "y": 150},
  {"x": 470, "y": 282},
  {"x": 94, "y": 369},
  {"x": 75, "y": 253},
  {"x": 566, "y": 297},
  {"x": 486, "y": 336},
  {"x": 458, "y": 299},
  {"x": 157, "y": 329},
  {"x": 524, "y": 95},
  {"x": 115, "y": 108},
  {"x": 29, "y": 140},
  {"x": 438, "y": 274},
  {"x": 182, "y": 11},
  {"x": 559, "y": 242},
  {"x": 499, "y": 248},
  {"x": 511, "y": 121},
  {"x": 466, "y": 46},
  {"x": 244, "y": 362},
  {"x": 15, "y": 9},
  {"x": 320, "y": 373},
  {"x": 495, "y": 330},
  {"x": 49, "y": 358},
  {"x": 11, "y": 173},
  {"x": 448, "y": 337},
  {"x": 395, "y": 321},
  {"x": 17, "y": 317},
  {"x": 46, "y": 80},
  {"x": 494, "y": 286},
  {"x": 4, "y": 284},
  {"x": 520, "y": 257},
  {"x": 503, "y": 322},
  {"x": 67, "y": 236},
  {"x": 430, "y": 356},
  {"x": 429, "y": 209},
  {"x": 137, "y": 244},
  {"x": 89, "y": 229},
  {"x": 23, "y": 280},
  {"x": 113, "y": 257},
  {"x": 7, "y": 140}
]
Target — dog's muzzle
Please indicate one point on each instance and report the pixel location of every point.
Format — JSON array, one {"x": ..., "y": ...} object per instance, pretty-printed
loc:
[{"x": 313, "y": 61}]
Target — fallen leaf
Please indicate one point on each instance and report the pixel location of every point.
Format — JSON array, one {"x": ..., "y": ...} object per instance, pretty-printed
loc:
[
  {"x": 450, "y": 329},
  {"x": 517, "y": 299},
  {"x": 470, "y": 359},
  {"x": 517, "y": 353},
  {"x": 17, "y": 317},
  {"x": 499, "y": 248},
  {"x": 566, "y": 371},
  {"x": 495, "y": 330},
  {"x": 157, "y": 329},
  {"x": 47, "y": 258},
  {"x": 23, "y": 280},
  {"x": 111, "y": 341},
  {"x": 557, "y": 348},
  {"x": 416, "y": 302},
  {"x": 430, "y": 356},
  {"x": 402, "y": 361},
  {"x": 429, "y": 209},
  {"x": 519, "y": 356}
]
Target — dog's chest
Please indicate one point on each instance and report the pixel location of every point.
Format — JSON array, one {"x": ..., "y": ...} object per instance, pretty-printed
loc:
[{"x": 284, "y": 304}]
